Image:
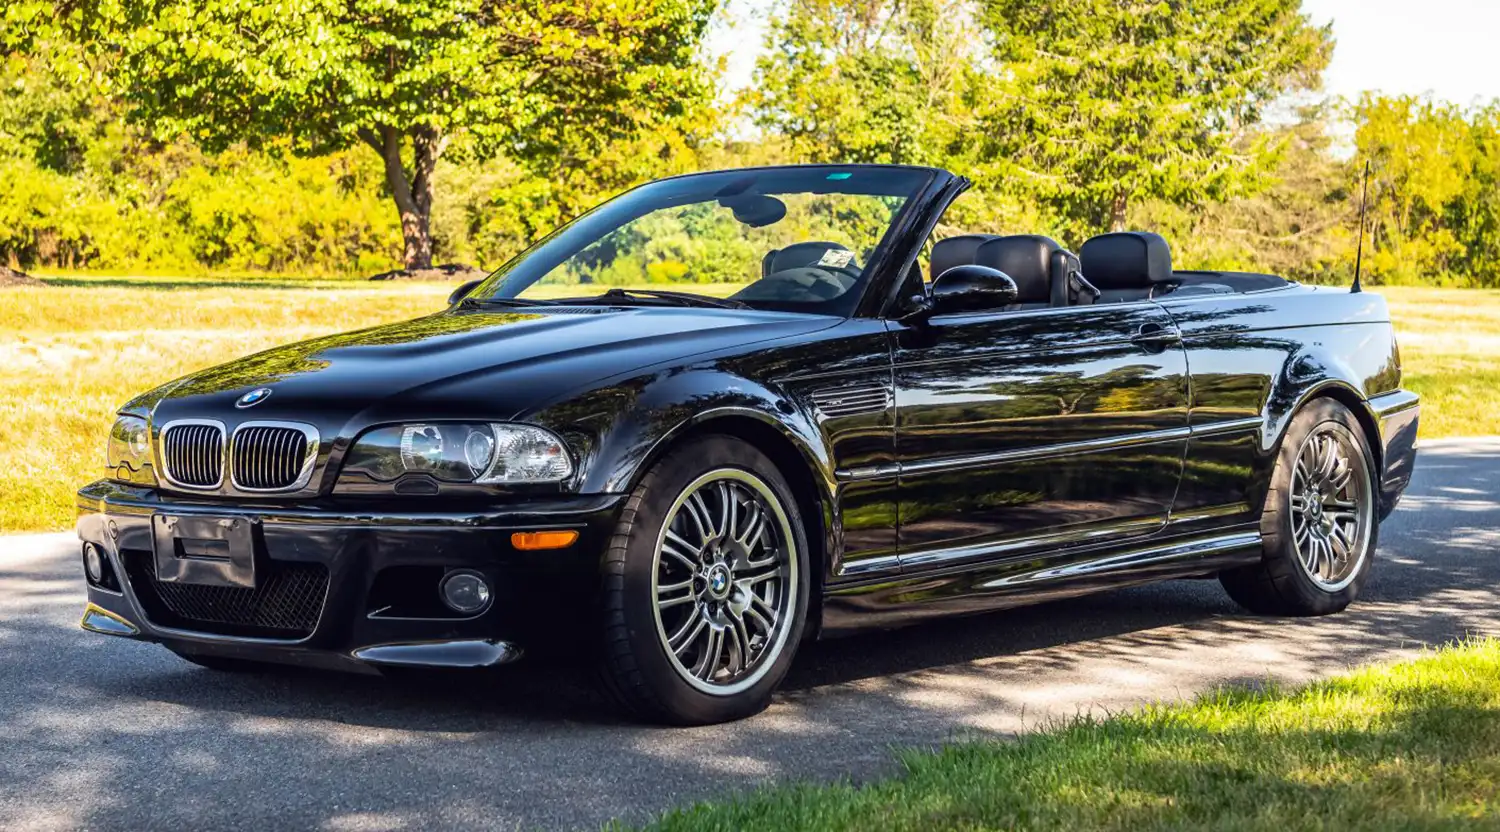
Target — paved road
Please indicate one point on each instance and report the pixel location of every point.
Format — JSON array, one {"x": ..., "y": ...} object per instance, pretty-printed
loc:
[{"x": 99, "y": 732}]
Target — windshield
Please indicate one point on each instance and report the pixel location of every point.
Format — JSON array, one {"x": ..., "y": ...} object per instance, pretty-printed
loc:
[{"x": 796, "y": 239}]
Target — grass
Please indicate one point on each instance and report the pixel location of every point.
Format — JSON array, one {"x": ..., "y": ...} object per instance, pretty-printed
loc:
[
  {"x": 1450, "y": 351},
  {"x": 1410, "y": 746},
  {"x": 79, "y": 352},
  {"x": 71, "y": 353}
]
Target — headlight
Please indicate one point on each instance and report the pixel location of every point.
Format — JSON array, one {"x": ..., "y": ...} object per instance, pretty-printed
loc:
[
  {"x": 128, "y": 453},
  {"x": 461, "y": 452}
]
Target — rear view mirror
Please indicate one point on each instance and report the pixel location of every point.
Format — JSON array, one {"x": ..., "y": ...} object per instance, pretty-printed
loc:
[
  {"x": 755, "y": 210},
  {"x": 463, "y": 291},
  {"x": 971, "y": 288}
]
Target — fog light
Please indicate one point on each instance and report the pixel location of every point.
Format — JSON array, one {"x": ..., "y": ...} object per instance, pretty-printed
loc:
[
  {"x": 465, "y": 592},
  {"x": 93, "y": 562}
]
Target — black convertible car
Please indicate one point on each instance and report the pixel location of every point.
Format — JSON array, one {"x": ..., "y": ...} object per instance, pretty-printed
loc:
[{"x": 876, "y": 425}]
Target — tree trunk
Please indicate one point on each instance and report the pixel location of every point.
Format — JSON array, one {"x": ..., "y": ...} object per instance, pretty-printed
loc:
[
  {"x": 1117, "y": 211},
  {"x": 411, "y": 189}
]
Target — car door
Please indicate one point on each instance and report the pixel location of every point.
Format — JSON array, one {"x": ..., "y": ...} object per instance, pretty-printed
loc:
[{"x": 1037, "y": 429}]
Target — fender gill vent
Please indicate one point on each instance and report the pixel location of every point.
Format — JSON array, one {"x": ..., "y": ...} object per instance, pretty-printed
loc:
[{"x": 852, "y": 401}]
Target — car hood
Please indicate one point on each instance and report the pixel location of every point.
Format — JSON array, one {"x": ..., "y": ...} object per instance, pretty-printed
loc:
[{"x": 463, "y": 363}]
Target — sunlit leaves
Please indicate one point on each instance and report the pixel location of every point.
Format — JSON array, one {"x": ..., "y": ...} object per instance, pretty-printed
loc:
[
  {"x": 316, "y": 72},
  {"x": 872, "y": 80},
  {"x": 1434, "y": 189},
  {"x": 1101, "y": 103}
]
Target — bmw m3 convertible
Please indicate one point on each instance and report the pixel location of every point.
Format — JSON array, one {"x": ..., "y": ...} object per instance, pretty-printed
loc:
[{"x": 726, "y": 413}]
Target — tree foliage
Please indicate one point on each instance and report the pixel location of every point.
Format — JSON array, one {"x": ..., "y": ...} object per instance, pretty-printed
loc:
[
  {"x": 871, "y": 80},
  {"x": 548, "y": 83},
  {"x": 1427, "y": 186},
  {"x": 1101, "y": 103},
  {"x": 243, "y": 152},
  {"x": 1301, "y": 224}
]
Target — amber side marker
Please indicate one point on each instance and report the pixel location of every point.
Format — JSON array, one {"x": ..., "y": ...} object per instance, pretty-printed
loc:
[{"x": 531, "y": 541}]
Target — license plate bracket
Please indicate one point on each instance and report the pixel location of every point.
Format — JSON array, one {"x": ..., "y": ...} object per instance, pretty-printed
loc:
[{"x": 195, "y": 549}]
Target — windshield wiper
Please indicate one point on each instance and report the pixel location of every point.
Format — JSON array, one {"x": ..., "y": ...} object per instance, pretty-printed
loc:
[
  {"x": 679, "y": 298},
  {"x": 478, "y": 302}
]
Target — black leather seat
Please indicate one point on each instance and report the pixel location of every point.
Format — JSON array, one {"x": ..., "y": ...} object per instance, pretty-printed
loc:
[
  {"x": 1128, "y": 265},
  {"x": 956, "y": 251},
  {"x": 1027, "y": 258},
  {"x": 1043, "y": 270}
]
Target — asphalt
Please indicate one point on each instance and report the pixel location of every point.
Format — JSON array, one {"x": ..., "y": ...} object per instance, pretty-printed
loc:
[{"x": 98, "y": 732}]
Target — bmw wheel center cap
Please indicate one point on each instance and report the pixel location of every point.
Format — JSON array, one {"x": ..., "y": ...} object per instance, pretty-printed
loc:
[{"x": 254, "y": 397}]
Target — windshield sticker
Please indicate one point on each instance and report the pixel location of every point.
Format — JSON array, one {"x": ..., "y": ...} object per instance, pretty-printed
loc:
[{"x": 836, "y": 258}]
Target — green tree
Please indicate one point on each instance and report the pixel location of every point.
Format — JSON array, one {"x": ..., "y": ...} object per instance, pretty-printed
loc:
[
  {"x": 1300, "y": 225},
  {"x": 1422, "y": 154},
  {"x": 547, "y": 84},
  {"x": 870, "y": 80},
  {"x": 1101, "y": 103},
  {"x": 1476, "y": 214}
]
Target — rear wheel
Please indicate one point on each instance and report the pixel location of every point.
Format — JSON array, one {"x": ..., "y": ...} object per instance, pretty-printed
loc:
[
  {"x": 1319, "y": 525},
  {"x": 705, "y": 586}
]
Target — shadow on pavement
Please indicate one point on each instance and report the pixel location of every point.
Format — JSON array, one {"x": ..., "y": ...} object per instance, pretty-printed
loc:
[{"x": 95, "y": 731}]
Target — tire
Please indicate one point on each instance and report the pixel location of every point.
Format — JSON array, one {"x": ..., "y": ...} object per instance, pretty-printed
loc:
[
  {"x": 1315, "y": 561},
  {"x": 670, "y": 546},
  {"x": 224, "y": 664}
]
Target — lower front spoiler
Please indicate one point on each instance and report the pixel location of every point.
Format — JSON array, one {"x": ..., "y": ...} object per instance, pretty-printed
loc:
[
  {"x": 474, "y": 653},
  {"x": 442, "y": 653}
]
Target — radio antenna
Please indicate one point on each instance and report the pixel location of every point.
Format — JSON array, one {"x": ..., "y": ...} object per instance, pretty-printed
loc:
[{"x": 1359, "y": 251}]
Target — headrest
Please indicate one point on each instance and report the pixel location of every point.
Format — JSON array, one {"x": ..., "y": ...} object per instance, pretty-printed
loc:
[
  {"x": 1027, "y": 258},
  {"x": 799, "y": 256},
  {"x": 1127, "y": 260},
  {"x": 956, "y": 251}
]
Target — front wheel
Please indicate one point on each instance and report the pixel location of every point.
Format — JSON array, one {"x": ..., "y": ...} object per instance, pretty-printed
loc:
[
  {"x": 1319, "y": 526},
  {"x": 705, "y": 586}
]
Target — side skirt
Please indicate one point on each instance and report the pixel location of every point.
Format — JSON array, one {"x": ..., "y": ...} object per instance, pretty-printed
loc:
[{"x": 1016, "y": 582}]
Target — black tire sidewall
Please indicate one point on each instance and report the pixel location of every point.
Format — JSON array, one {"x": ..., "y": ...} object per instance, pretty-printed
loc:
[
  {"x": 1294, "y": 584},
  {"x": 678, "y": 700}
]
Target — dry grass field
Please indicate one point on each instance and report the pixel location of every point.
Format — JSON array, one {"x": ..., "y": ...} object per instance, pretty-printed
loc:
[{"x": 71, "y": 353}]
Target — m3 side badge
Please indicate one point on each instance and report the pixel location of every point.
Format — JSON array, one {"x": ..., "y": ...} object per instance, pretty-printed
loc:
[{"x": 254, "y": 397}]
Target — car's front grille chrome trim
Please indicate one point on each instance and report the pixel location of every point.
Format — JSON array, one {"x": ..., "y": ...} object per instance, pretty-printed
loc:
[
  {"x": 272, "y": 457},
  {"x": 192, "y": 453},
  {"x": 261, "y": 457}
]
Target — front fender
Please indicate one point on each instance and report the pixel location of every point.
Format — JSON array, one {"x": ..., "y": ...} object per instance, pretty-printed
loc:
[
  {"x": 630, "y": 426},
  {"x": 625, "y": 427}
]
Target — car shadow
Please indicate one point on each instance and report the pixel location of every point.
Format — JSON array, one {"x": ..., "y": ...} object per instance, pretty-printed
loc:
[{"x": 534, "y": 746}]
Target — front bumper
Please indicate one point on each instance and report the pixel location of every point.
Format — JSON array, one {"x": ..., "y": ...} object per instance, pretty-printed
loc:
[{"x": 541, "y": 599}]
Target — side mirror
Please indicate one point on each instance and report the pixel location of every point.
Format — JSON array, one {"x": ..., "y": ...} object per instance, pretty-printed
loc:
[
  {"x": 971, "y": 288},
  {"x": 463, "y": 291}
]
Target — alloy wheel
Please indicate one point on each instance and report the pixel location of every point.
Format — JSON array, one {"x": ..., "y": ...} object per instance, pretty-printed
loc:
[
  {"x": 725, "y": 580},
  {"x": 1332, "y": 507}
]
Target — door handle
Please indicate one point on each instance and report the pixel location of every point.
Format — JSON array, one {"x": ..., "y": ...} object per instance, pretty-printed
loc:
[{"x": 1156, "y": 335}]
